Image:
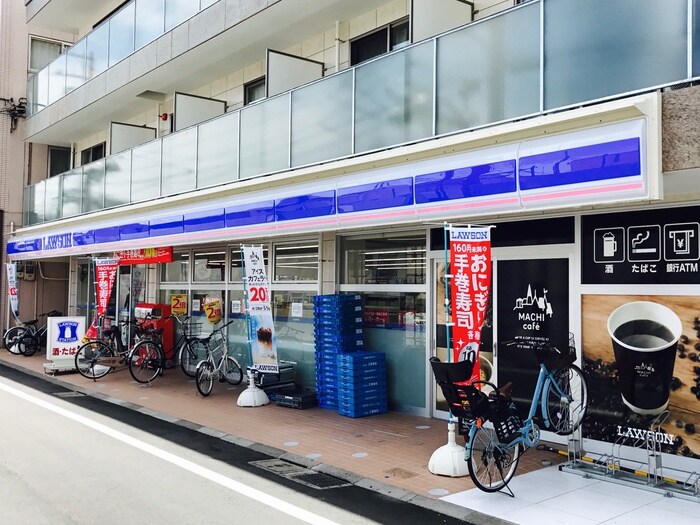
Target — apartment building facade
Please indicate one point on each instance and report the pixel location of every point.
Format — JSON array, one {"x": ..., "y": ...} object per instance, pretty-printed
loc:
[{"x": 343, "y": 135}]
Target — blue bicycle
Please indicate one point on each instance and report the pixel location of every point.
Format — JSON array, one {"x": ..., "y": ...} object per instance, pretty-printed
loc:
[{"x": 492, "y": 451}]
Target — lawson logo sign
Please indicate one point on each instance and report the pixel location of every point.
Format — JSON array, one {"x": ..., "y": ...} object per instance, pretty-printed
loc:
[
  {"x": 67, "y": 332},
  {"x": 469, "y": 235}
]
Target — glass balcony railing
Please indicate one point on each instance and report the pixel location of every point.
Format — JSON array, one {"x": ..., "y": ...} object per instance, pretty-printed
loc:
[
  {"x": 503, "y": 68},
  {"x": 131, "y": 28}
]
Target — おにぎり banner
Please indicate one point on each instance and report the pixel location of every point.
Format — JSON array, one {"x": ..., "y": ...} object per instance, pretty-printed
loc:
[
  {"x": 470, "y": 283},
  {"x": 261, "y": 330}
]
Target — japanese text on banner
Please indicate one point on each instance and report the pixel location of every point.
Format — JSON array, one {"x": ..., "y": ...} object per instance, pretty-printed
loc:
[
  {"x": 470, "y": 267},
  {"x": 261, "y": 330}
]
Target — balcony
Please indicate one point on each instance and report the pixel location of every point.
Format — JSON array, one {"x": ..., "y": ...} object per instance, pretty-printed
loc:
[{"x": 520, "y": 68}]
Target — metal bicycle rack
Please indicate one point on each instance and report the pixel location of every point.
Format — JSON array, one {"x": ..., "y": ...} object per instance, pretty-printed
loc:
[{"x": 616, "y": 468}]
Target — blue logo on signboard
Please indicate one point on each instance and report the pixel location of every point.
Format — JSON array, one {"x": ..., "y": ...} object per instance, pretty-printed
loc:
[{"x": 67, "y": 331}]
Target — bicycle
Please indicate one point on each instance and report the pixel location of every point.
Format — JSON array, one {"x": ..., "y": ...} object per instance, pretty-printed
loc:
[
  {"x": 27, "y": 338},
  {"x": 147, "y": 359},
  {"x": 226, "y": 368},
  {"x": 492, "y": 454},
  {"x": 98, "y": 357},
  {"x": 189, "y": 351}
]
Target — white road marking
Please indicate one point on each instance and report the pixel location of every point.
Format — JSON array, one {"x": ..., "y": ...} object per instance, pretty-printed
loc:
[{"x": 240, "y": 488}]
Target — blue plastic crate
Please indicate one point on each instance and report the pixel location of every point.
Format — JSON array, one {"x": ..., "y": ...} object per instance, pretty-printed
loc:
[
  {"x": 336, "y": 298},
  {"x": 340, "y": 348},
  {"x": 362, "y": 383},
  {"x": 362, "y": 412},
  {"x": 340, "y": 318},
  {"x": 362, "y": 398},
  {"x": 327, "y": 404},
  {"x": 345, "y": 331},
  {"x": 359, "y": 366},
  {"x": 363, "y": 356},
  {"x": 358, "y": 376},
  {"x": 335, "y": 337},
  {"x": 335, "y": 310}
]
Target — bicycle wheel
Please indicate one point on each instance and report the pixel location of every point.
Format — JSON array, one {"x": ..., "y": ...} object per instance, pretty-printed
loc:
[
  {"x": 28, "y": 344},
  {"x": 191, "y": 354},
  {"x": 231, "y": 370},
  {"x": 205, "y": 378},
  {"x": 145, "y": 361},
  {"x": 491, "y": 465},
  {"x": 88, "y": 357},
  {"x": 12, "y": 337},
  {"x": 566, "y": 400}
]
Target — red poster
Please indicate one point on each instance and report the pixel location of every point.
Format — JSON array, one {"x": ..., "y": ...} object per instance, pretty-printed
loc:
[
  {"x": 470, "y": 282},
  {"x": 144, "y": 256}
]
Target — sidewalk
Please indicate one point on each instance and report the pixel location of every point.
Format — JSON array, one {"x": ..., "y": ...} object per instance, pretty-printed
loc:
[{"x": 390, "y": 450}]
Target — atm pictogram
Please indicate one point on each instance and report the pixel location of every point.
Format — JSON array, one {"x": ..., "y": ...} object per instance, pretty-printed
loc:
[{"x": 681, "y": 242}]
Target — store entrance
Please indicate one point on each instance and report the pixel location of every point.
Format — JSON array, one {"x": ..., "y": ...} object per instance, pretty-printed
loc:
[{"x": 530, "y": 296}]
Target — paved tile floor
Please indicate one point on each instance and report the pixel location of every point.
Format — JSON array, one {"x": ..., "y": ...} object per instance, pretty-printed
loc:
[{"x": 392, "y": 448}]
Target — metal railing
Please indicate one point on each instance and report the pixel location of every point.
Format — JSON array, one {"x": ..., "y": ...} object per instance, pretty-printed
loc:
[{"x": 532, "y": 59}]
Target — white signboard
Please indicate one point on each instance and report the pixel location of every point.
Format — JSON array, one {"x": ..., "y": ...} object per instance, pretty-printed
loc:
[
  {"x": 297, "y": 309},
  {"x": 63, "y": 338},
  {"x": 261, "y": 330}
]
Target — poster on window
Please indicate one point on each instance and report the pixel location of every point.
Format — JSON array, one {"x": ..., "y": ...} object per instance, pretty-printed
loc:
[
  {"x": 470, "y": 283},
  {"x": 641, "y": 358},
  {"x": 261, "y": 330},
  {"x": 533, "y": 305},
  {"x": 12, "y": 288}
]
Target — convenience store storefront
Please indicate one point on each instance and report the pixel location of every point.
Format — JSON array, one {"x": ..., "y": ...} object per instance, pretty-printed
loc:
[{"x": 558, "y": 263}]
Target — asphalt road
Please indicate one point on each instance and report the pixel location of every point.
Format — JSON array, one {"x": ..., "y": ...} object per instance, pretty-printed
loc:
[{"x": 70, "y": 458}]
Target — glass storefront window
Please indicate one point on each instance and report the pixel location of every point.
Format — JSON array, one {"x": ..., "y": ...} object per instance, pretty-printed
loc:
[
  {"x": 176, "y": 271},
  {"x": 237, "y": 330},
  {"x": 384, "y": 260},
  {"x": 199, "y": 299},
  {"x": 236, "y": 275},
  {"x": 394, "y": 323},
  {"x": 210, "y": 266},
  {"x": 298, "y": 262},
  {"x": 293, "y": 314}
]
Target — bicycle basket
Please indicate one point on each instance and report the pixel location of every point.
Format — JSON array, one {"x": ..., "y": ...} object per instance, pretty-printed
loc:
[
  {"x": 193, "y": 328},
  {"x": 506, "y": 420},
  {"x": 557, "y": 353}
]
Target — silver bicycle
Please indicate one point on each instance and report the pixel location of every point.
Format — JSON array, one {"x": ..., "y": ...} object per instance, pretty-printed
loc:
[{"x": 218, "y": 365}]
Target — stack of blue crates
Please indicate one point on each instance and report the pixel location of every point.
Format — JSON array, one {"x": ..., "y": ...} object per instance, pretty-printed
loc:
[
  {"x": 362, "y": 384},
  {"x": 337, "y": 331}
]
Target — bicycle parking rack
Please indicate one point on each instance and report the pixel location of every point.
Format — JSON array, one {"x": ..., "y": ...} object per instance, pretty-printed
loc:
[{"x": 616, "y": 468}]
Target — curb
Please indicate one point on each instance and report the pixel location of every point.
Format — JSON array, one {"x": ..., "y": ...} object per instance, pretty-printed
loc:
[{"x": 435, "y": 505}]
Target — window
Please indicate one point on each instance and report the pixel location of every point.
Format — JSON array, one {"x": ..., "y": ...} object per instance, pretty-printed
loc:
[
  {"x": 296, "y": 262},
  {"x": 384, "y": 260},
  {"x": 210, "y": 266},
  {"x": 41, "y": 52},
  {"x": 92, "y": 153},
  {"x": 376, "y": 43},
  {"x": 253, "y": 91},
  {"x": 176, "y": 271},
  {"x": 59, "y": 160}
]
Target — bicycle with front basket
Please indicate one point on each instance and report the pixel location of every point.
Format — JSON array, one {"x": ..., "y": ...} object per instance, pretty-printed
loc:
[
  {"x": 218, "y": 365},
  {"x": 98, "y": 357},
  {"x": 492, "y": 451}
]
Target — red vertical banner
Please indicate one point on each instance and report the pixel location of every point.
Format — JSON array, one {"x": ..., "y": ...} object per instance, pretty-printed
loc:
[
  {"x": 105, "y": 275},
  {"x": 470, "y": 284}
]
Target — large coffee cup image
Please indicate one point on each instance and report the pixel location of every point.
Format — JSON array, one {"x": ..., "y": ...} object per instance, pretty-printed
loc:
[{"x": 644, "y": 339}]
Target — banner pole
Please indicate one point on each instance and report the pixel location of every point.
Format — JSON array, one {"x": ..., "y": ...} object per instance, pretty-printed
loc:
[{"x": 448, "y": 460}]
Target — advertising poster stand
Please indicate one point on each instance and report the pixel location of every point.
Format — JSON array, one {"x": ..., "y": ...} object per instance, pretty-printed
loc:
[
  {"x": 467, "y": 286},
  {"x": 262, "y": 352}
]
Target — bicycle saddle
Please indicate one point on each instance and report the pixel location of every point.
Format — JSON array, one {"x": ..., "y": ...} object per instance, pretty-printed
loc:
[{"x": 32, "y": 322}]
